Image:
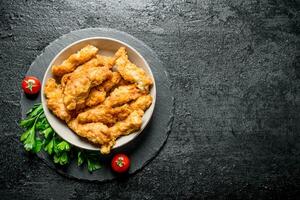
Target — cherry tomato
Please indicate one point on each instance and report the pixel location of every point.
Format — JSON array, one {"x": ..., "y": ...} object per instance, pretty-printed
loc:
[
  {"x": 120, "y": 163},
  {"x": 31, "y": 85}
]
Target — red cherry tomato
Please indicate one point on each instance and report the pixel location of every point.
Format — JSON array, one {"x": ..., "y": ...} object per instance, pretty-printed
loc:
[
  {"x": 120, "y": 163},
  {"x": 31, "y": 85}
]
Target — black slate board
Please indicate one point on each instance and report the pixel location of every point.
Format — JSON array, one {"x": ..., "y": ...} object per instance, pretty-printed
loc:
[{"x": 148, "y": 144}]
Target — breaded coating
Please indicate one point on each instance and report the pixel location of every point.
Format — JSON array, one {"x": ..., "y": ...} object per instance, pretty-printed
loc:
[
  {"x": 79, "y": 84},
  {"x": 142, "y": 103},
  {"x": 123, "y": 82},
  {"x": 122, "y": 95},
  {"x": 112, "y": 82},
  {"x": 132, "y": 123},
  {"x": 104, "y": 114},
  {"x": 98, "y": 94},
  {"x": 94, "y": 62},
  {"x": 100, "y": 113},
  {"x": 130, "y": 72},
  {"x": 55, "y": 102},
  {"x": 106, "y": 61},
  {"x": 98, "y": 61},
  {"x": 94, "y": 132},
  {"x": 70, "y": 64},
  {"x": 99, "y": 133},
  {"x": 109, "y": 116},
  {"x": 122, "y": 112}
]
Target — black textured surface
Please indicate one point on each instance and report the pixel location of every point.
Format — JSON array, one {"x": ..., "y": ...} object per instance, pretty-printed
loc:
[
  {"x": 147, "y": 145},
  {"x": 235, "y": 72}
]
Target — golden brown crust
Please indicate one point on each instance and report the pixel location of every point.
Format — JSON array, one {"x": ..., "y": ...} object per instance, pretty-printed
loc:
[
  {"x": 122, "y": 95},
  {"x": 94, "y": 132},
  {"x": 55, "y": 102},
  {"x": 109, "y": 115},
  {"x": 132, "y": 123},
  {"x": 79, "y": 84},
  {"x": 98, "y": 94},
  {"x": 130, "y": 72},
  {"x": 70, "y": 64},
  {"x": 105, "y": 114}
]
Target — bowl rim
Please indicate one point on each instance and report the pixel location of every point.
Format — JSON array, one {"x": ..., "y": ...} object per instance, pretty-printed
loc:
[{"x": 43, "y": 98}]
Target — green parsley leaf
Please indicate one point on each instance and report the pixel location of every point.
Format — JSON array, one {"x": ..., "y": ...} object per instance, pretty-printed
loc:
[
  {"x": 80, "y": 158},
  {"x": 25, "y": 135},
  {"x": 93, "y": 165},
  {"x": 47, "y": 132},
  {"x": 49, "y": 146},
  {"x": 36, "y": 111},
  {"x": 29, "y": 142},
  {"x": 63, "y": 146},
  {"x": 33, "y": 107},
  {"x": 42, "y": 116},
  {"x": 42, "y": 124},
  {"x": 61, "y": 159},
  {"x": 26, "y": 123},
  {"x": 38, "y": 145}
]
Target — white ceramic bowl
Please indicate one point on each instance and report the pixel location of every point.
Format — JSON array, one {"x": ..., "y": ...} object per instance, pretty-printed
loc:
[{"x": 107, "y": 46}]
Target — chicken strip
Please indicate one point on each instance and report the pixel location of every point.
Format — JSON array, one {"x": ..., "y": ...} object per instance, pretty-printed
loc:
[
  {"x": 122, "y": 112},
  {"x": 94, "y": 132},
  {"x": 112, "y": 82},
  {"x": 79, "y": 84},
  {"x": 132, "y": 123},
  {"x": 107, "y": 61},
  {"x": 99, "y": 133},
  {"x": 94, "y": 62},
  {"x": 122, "y": 95},
  {"x": 104, "y": 114},
  {"x": 130, "y": 72},
  {"x": 110, "y": 116},
  {"x": 101, "y": 114},
  {"x": 70, "y": 64},
  {"x": 55, "y": 102},
  {"x": 97, "y": 94},
  {"x": 142, "y": 103}
]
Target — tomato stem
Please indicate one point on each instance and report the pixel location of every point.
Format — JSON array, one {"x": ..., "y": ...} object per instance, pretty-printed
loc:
[{"x": 120, "y": 162}]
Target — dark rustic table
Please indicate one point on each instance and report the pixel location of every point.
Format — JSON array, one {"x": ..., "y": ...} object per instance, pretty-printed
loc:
[{"x": 235, "y": 71}]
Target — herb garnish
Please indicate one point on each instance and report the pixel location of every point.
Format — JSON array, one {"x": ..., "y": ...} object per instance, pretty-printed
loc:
[{"x": 39, "y": 136}]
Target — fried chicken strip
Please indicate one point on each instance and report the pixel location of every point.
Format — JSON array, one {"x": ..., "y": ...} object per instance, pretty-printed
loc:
[
  {"x": 97, "y": 94},
  {"x": 94, "y": 132},
  {"x": 75, "y": 60},
  {"x": 101, "y": 114},
  {"x": 55, "y": 102},
  {"x": 130, "y": 72},
  {"x": 94, "y": 62},
  {"x": 142, "y": 103},
  {"x": 132, "y": 123},
  {"x": 99, "y": 133},
  {"x": 122, "y": 95},
  {"x": 79, "y": 84},
  {"x": 109, "y": 116},
  {"x": 104, "y": 114}
]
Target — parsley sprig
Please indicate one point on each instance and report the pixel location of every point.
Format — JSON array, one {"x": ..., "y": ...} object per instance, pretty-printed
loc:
[{"x": 40, "y": 136}]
